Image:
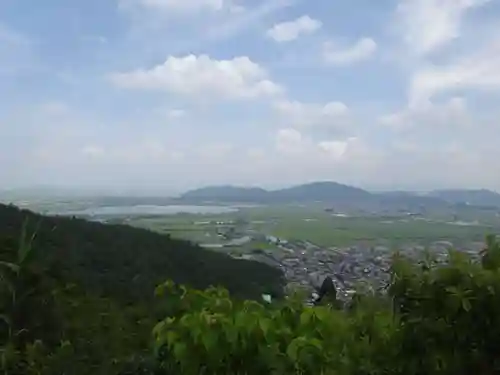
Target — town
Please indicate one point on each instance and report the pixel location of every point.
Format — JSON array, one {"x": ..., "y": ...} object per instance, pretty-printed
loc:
[{"x": 305, "y": 265}]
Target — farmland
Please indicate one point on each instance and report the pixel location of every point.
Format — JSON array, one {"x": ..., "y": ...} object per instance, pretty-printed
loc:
[{"x": 313, "y": 224}]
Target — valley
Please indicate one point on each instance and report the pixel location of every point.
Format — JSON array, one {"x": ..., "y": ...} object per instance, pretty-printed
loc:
[
  {"x": 117, "y": 250},
  {"x": 343, "y": 237},
  {"x": 307, "y": 243}
]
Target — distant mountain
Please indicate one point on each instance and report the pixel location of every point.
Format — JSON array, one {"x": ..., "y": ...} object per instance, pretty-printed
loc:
[
  {"x": 320, "y": 191},
  {"x": 226, "y": 194},
  {"x": 409, "y": 200},
  {"x": 478, "y": 197},
  {"x": 316, "y": 191},
  {"x": 397, "y": 193},
  {"x": 336, "y": 193}
]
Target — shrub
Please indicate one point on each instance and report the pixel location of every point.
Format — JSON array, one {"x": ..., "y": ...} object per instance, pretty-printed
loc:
[{"x": 435, "y": 319}]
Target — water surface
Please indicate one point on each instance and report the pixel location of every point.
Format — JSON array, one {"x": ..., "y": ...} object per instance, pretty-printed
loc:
[{"x": 139, "y": 210}]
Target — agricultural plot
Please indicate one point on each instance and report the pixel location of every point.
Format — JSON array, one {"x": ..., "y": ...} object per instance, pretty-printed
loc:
[{"x": 313, "y": 224}]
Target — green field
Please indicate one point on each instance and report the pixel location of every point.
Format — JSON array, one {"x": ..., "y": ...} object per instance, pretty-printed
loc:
[
  {"x": 338, "y": 232},
  {"x": 314, "y": 225}
]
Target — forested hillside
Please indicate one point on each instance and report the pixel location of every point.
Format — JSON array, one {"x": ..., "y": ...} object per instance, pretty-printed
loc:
[
  {"x": 86, "y": 290},
  {"x": 127, "y": 263},
  {"x": 60, "y": 312}
]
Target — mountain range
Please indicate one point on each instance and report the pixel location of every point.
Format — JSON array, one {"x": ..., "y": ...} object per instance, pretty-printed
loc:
[{"x": 336, "y": 193}]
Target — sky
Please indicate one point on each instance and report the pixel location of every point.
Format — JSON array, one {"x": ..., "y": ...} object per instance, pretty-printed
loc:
[{"x": 168, "y": 95}]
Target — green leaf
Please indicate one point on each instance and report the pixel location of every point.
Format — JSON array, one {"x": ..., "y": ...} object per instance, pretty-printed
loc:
[
  {"x": 25, "y": 249},
  {"x": 466, "y": 304},
  {"x": 180, "y": 351},
  {"x": 172, "y": 338},
  {"x": 294, "y": 347},
  {"x": 316, "y": 343},
  {"x": 158, "y": 328},
  {"x": 11, "y": 266},
  {"x": 292, "y": 351},
  {"x": 307, "y": 316},
  {"x": 6, "y": 319},
  {"x": 453, "y": 290},
  {"x": 210, "y": 340},
  {"x": 264, "y": 325},
  {"x": 231, "y": 332}
]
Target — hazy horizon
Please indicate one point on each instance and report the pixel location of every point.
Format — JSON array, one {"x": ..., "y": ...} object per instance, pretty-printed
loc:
[
  {"x": 68, "y": 191},
  {"x": 169, "y": 95}
]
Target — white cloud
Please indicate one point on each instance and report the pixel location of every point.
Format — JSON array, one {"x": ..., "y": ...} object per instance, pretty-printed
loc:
[
  {"x": 308, "y": 114},
  {"x": 349, "y": 150},
  {"x": 427, "y": 25},
  {"x": 430, "y": 140},
  {"x": 193, "y": 75},
  {"x": 93, "y": 151},
  {"x": 480, "y": 70},
  {"x": 256, "y": 154},
  {"x": 363, "y": 49},
  {"x": 241, "y": 19},
  {"x": 183, "y": 26},
  {"x": 426, "y": 28},
  {"x": 289, "y": 141},
  {"x": 177, "y": 6},
  {"x": 221, "y": 19},
  {"x": 84, "y": 156},
  {"x": 298, "y": 158},
  {"x": 140, "y": 152},
  {"x": 176, "y": 113},
  {"x": 154, "y": 149},
  {"x": 97, "y": 39},
  {"x": 336, "y": 149},
  {"x": 451, "y": 114},
  {"x": 215, "y": 152},
  {"x": 54, "y": 108},
  {"x": 10, "y": 37},
  {"x": 185, "y": 4},
  {"x": 17, "y": 52},
  {"x": 291, "y": 30}
]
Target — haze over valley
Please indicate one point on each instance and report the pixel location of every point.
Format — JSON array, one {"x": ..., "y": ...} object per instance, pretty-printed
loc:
[{"x": 306, "y": 231}]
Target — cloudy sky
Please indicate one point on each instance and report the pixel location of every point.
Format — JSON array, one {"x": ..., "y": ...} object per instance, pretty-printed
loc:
[{"x": 172, "y": 94}]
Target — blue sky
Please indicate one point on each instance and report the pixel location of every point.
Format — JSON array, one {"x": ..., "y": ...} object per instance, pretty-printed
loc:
[{"x": 170, "y": 94}]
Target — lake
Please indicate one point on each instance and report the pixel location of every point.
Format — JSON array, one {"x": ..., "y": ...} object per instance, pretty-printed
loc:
[{"x": 140, "y": 210}]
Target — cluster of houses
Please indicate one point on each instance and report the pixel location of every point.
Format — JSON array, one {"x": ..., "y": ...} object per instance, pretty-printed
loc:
[{"x": 306, "y": 265}]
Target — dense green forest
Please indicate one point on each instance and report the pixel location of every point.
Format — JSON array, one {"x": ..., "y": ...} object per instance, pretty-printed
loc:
[
  {"x": 93, "y": 284},
  {"x": 127, "y": 263},
  {"x": 85, "y": 298}
]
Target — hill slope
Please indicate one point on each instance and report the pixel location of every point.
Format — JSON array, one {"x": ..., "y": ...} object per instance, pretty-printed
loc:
[
  {"x": 316, "y": 191},
  {"x": 479, "y": 197},
  {"x": 226, "y": 194},
  {"x": 128, "y": 263},
  {"x": 335, "y": 193},
  {"x": 321, "y": 191}
]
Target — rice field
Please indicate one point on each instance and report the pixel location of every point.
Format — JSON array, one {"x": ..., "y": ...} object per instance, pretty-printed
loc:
[{"x": 315, "y": 225}]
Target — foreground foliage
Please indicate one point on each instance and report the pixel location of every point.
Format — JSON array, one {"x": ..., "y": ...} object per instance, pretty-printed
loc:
[
  {"x": 216, "y": 335},
  {"x": 434, "y": 319},
  {"x": 76, "y": 297}
]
